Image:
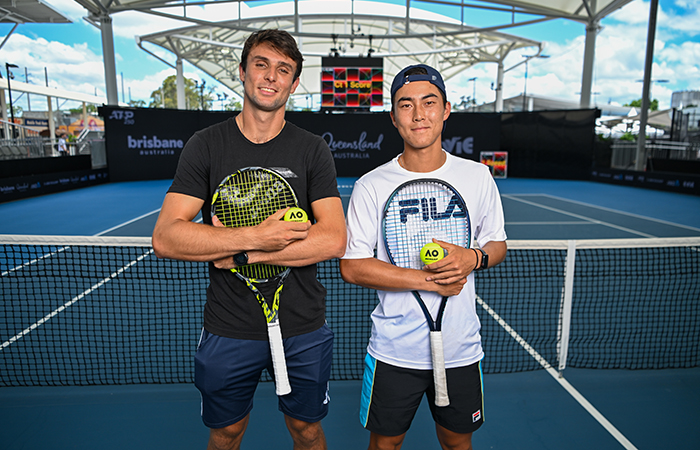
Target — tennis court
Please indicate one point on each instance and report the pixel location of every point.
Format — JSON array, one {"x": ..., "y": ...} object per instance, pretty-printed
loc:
[{"x": 53, "y": 400}]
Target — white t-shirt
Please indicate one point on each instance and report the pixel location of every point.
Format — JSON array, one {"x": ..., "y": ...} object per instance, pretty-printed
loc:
[{"x": 400, "y": 333}]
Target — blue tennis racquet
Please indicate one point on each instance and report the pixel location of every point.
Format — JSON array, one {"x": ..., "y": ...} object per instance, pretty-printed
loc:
[{"x": 416, "y": 212}]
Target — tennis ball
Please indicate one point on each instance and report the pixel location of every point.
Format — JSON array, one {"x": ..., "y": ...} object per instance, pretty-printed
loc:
[
  {"x": 295, "y": 215},
  {"x": 431, "y": 253}
]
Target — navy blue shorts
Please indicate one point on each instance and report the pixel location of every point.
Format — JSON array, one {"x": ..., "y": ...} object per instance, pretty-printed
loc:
[{"x": 227, "y": 372}]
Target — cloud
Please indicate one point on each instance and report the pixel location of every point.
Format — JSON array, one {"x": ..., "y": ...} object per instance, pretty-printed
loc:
[
  {"x": 130, "y": 24},
  {"x": 142, "y": 89},
  {"x": 68, "y": 67},
  {"x": 619, "y": 59},
  {"x": 69, "y": 8}
]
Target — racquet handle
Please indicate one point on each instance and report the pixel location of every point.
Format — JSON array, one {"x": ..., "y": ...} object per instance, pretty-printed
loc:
[
  {"x": 279, "y": 364},
  {"x": 439, "y": 374}
]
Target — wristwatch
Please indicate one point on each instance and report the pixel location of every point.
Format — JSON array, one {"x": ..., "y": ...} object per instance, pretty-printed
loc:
[
  {"x": 484, "y": 260},
  {"x": 241, "y": 259}
]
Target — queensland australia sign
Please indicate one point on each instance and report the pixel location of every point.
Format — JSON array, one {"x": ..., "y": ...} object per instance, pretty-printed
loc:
[
  {"x": 145, "y": 144},
  {"x": 359, "y": 148},
  {"x": 359, "y": 142}
]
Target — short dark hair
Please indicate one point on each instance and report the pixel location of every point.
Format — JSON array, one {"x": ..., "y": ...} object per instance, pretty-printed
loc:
[{"x": 280, "y": 40}]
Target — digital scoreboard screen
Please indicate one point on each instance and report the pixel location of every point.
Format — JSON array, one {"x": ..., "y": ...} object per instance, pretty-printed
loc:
[{"x": 351, "y": 83}]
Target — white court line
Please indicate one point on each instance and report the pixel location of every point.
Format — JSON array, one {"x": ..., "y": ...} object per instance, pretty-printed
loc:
[
  {"x": 72, "y": 301},
  {"x": 47, "y": 255},
  {"x": 572, "y": 222},
  {"x": 127, "y": 222},
  {"x": 134, "y": 220},
  {"x": 578, "y": 216},
  {"x": 560, "y": 379},
  {"x": 624, "y": 213},
  {"x": 85, "y": 293},
  {"x": 35, "y": 260}
]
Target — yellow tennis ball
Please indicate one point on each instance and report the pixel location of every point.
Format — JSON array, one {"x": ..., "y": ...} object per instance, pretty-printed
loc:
[
  {"x": 295, "y": 215},
  {"x": 431, "y": 253}
]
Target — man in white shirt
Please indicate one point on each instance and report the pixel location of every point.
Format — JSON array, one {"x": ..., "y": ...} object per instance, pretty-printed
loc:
[{"x": 398, "y": 367}]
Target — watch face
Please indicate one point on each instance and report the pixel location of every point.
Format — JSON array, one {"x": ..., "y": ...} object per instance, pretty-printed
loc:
[{"x": 241, "y": 259}]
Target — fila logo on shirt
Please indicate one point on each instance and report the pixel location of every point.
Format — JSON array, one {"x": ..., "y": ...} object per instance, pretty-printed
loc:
[{"x": 427, "y": 208}]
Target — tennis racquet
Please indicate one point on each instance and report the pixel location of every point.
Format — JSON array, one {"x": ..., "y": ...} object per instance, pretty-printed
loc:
[
  {"x": 416, "y": 212},
  {"x": 244, "y": 199}
]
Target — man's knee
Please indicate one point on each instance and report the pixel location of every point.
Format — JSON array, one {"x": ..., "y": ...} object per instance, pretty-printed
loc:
[
  {"x": 306, "y": 434},
  {"x": 379, "y": 442},
  {"x": 450, "y": 440},
  {"x": 228, "y": 438}
]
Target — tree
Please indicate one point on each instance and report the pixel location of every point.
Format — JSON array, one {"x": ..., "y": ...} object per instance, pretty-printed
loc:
[
  {"x": 233, "y": 105},
  {"x": 653, "y": 105},
  {"x": 137, "y": 103},
  {"x": 91, "y": 109},
  {"x": 16, "y": 110},
  {"x": 196, "y": 97}
]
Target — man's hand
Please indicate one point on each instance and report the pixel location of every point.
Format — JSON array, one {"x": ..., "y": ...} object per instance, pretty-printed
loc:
[
  {"x": 454, "y": 268},
  {"x": 272, "y": 234}
]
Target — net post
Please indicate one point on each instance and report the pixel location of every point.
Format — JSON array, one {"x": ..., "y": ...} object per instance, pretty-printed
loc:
[{"x": 566, "y": 304}]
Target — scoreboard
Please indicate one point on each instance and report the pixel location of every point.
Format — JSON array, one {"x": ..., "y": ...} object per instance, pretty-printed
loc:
[{"x": 351, "y": 83}]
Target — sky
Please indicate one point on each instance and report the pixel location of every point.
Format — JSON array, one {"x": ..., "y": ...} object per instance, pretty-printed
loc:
[{"x": 71, "y": 55}]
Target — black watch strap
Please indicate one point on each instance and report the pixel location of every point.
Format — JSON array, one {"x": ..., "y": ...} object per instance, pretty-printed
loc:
[
  {"x": 240, "y": 259},
  {"x": 484, "y": 260}
]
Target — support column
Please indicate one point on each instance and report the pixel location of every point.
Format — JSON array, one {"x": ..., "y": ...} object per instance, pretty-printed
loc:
[
  {"x": 85, "y": 116},
  {"x": 499, "y": 87},
  {"x": 52, "y": 124},
  {"x": 641, "y": 162},
  {"x": 108, "y": 58},
  {"x": 3, "y": 106},
  {"x": 180, "y": 84},
  {"x": 588, "y": 58}
]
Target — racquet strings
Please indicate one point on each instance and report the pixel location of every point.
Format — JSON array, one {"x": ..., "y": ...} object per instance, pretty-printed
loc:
[
  {"x": 419, "y": 212},
  {"x": 247, "y": 198}
]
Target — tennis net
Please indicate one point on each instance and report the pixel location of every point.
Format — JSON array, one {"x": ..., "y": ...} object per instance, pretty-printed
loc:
[{"x": 84, "y": 311}]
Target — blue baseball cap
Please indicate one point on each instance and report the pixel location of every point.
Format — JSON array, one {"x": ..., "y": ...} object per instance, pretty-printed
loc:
[{"x": 433, "y": 76}]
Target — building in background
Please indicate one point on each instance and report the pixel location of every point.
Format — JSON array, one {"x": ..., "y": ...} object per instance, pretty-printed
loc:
[{"x": 684, "y": 99}]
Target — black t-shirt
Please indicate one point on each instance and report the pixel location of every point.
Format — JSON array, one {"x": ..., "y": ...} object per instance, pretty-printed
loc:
[{"x": 305, "y": 161}]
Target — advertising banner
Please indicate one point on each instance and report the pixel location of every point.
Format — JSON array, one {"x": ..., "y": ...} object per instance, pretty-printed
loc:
[
  {"x": 497, "y": 163},
  {"x": 145, "y": 144},
  {"x": 362, "y": 141}
]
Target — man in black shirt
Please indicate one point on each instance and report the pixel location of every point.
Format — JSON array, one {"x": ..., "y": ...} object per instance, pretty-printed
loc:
[{"x": 233, "y": 349}]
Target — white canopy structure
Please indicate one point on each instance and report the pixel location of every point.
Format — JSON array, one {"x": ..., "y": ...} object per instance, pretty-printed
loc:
[
  {"x": 401, "y": 32},
  {"x": 340, "y": 28}
]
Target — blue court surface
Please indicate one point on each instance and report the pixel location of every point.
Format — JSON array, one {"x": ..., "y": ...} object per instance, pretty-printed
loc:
[{"x": 587, "y": 408}]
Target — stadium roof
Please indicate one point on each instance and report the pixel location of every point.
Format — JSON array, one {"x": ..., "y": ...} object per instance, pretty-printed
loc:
[
  {"x": 341, "y": 28},
  {"x": 579, "y": 10},
  {"x": 400, "y": 32},
  {"x": 29, "y": 11}
]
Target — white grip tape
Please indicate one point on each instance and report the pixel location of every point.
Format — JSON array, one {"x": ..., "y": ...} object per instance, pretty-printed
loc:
[
  {"x": 274, "y": 334},
  {"x": 439, "y": 374}
]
